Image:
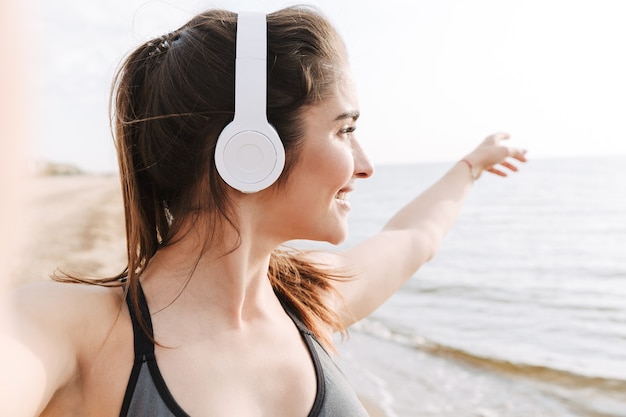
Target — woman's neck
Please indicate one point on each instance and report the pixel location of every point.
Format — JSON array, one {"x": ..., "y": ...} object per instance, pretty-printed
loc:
[{"x": 225, "y": 277}]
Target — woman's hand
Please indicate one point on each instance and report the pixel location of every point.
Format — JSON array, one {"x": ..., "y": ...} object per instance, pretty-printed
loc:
[{"x": 491, "y": 156}]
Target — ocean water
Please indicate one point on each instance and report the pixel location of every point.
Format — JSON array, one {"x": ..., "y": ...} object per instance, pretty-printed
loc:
[{"x": 523, "y": 310}]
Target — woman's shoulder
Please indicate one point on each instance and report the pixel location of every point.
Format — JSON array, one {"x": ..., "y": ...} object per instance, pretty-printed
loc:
[
  {"x": 70, "y": 316},
  {"x": 50, "y": 331},
  {"x": 65, "y": 304}
]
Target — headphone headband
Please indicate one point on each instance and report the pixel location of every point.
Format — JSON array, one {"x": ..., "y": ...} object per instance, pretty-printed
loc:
[
  {"x": 251, "y": 67},
  {"x": 249, "y": 155}
]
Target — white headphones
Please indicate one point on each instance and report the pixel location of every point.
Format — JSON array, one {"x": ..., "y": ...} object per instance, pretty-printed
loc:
[{"x": 249, "y": 155}]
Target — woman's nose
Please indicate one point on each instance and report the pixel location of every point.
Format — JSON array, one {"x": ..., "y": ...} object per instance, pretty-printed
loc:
[{"x": 363, "y": 167}]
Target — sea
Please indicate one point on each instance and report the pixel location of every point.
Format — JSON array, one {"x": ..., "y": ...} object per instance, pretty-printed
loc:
[{"x": 522, "y": 312}]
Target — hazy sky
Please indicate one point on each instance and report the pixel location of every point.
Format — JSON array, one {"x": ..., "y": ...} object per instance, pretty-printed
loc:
[{"x": 434, "y": 76}]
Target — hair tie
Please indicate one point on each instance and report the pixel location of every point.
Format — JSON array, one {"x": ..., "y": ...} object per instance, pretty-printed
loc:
[{"x": 160, "y": 45}]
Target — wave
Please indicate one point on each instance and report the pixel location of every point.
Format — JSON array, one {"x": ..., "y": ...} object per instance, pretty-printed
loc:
[
  {"x": 537, "y": 373},
  {"x": 582, "y": 395}
]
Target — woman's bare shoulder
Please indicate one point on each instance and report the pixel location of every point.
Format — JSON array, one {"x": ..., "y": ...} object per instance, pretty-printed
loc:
[
  {"x": 70, "y": 316},
  {"x": 68, "y": 303},
  {"x": 48, "y": 330}
]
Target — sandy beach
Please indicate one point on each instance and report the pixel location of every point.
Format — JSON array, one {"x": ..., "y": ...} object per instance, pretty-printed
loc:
[{"x": 76, "y": 224}]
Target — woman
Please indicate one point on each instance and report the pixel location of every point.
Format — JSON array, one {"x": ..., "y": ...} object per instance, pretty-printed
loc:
[{"x": 210, "y": 318}]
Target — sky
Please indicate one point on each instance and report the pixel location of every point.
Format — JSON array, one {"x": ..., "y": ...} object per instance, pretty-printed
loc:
[{"x": 434, "y": 77}]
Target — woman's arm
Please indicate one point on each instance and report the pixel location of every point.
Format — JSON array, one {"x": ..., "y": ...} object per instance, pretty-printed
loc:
[
  {"x": 384, "y": 262},
  {"x": 38, "y": 354}
]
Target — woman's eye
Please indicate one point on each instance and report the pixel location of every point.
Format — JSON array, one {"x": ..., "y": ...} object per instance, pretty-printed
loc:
[{"x": 348, "y": 129}]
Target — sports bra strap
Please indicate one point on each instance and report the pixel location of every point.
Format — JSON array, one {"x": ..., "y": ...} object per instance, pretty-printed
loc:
[
  {"x": 143, "y": 343},
  {"x": 297, "y": 321}
]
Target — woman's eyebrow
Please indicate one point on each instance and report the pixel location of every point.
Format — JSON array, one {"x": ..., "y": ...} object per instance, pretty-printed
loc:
[{"x": 349, "y": 115}]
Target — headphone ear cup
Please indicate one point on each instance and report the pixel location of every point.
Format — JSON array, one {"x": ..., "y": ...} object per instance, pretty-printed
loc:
[{"x": 249, "y": 160}]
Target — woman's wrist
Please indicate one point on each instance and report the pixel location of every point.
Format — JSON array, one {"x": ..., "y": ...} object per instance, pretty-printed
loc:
[{"x": 474, "y": 172}]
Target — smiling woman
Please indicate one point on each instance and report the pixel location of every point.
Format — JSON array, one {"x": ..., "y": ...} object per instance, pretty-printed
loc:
[{"x": 191, "y": 324}]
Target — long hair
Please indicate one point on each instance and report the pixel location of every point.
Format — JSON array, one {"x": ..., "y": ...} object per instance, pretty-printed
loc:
[{"x": 171, "y": 98}]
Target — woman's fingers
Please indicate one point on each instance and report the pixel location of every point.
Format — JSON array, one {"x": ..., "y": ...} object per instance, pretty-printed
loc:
[
  {"x": 496, "y": 171},
  {"x": 520, "y": 155},
  {"x": 509, "y": 166}
]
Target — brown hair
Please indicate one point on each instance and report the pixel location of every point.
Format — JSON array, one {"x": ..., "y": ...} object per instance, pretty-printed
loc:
[{"x": 172, "y": 97}]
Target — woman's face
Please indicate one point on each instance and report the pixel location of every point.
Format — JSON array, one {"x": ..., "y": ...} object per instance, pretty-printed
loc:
[{"x": 314, "y": 202}]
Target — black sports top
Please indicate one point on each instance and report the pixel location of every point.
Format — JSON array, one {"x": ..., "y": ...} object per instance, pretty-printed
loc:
[{"x": 147, "y": 394}]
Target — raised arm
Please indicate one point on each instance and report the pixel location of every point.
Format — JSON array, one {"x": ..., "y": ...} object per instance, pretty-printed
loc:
[{"x": 384, "y": 262}]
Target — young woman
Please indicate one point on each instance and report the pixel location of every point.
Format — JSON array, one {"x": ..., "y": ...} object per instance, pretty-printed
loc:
[{"x": 210, "y": 317}]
